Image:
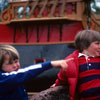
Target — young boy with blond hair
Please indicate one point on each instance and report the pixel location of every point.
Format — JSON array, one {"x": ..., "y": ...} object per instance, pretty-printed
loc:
[{"x": 12, "y": 77}]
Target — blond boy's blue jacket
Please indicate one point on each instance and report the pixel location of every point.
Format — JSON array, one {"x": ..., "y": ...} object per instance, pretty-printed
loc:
[{"x": 12, "y": 84}]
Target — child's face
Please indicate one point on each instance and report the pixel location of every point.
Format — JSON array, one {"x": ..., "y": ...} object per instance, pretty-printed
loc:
[
  {"x": 93, "y": 49},
  {"x": 9, "y": 67}
]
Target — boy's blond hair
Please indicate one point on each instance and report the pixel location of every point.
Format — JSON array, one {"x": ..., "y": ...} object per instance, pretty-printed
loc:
[{"x": 8, "y": 50}]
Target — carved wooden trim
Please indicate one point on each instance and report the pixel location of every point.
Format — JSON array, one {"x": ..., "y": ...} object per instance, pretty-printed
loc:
[
  {"x": 33, "y": 8},
  {"x": 52, "y": 14},
  {"x": 95, "y": 21},
  {"x": 27, "y": 4},
  {"x": 63, "y": 8},
  {"x": 53, "y": 9},
  {"x": 7, "y": 15},
  {"x": 42, "y": 9}
]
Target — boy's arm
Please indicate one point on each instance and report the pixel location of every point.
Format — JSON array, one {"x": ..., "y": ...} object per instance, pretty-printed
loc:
[
  {"x": 62, "y": 79},
  {"x": 25, "y": 74},
  {"x": 61, "y": 63}
]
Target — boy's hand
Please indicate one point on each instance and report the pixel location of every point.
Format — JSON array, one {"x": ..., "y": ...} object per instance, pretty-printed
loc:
[
  {"x": 61, "y": 63},
  {"x": 52, "y": 86}
]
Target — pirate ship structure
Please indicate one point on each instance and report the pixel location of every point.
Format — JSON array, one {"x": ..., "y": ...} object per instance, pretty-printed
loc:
[
  {"x": 46, "y": 21},
  {"x": 42, "y": 21},
  {"x": 43, "y": 30}
]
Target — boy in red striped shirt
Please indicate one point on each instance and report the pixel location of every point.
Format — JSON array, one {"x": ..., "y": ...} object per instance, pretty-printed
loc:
[{"x": 83, "y": 73}]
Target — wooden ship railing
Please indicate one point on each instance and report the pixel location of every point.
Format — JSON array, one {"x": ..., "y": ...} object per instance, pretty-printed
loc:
[
  {"x": 92, "y": 22},
  {"x": 40, "y": 10},
  {"x": 95, "y": 21},
  {"x": 91, "y": 19}
]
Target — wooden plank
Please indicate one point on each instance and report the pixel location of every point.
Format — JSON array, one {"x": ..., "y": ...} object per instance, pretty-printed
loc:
[
  {"x": 60, "y": 31},
  {"x": 26, "y": 33},
  {"x": 27, "y": 4},
  {"x": 48, "y": 35},
  {"x": 42, "y": 9},
  {"x": 53, "y": 9},
  {"x": 14, "y": 34},
  {"x": 37, "y": 28},
  {"x": 69, "y": 17},
  {"x": 96, "y": 18},
  {"x": 63, "y": 8},
  {"x": 33, "y": 8},
  {"x": 79, "y": 9}
]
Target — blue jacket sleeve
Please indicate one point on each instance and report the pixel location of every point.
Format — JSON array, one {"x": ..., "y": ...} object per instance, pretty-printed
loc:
[{"x": 16, "y": 78}]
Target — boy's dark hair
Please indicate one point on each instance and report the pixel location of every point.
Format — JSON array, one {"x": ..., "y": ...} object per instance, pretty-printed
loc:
[
  {"x": 8, "y": 50},
  {"x": 84, "y": 38}
]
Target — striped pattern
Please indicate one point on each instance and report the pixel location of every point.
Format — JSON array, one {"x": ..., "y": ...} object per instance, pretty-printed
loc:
[
  {"x": 31, "y": 67},
  {"x": 89, "y": 78},
  {"x": 12, "y": 84}
]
